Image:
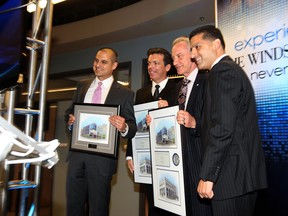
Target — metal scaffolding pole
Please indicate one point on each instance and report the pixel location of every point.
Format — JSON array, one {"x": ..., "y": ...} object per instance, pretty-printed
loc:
[
  {"x": 43, "y": 89},
  {"x": 37, "y": 45},
  {"x": 30, "y": 87},
  {"x": 10, "y": 103}
]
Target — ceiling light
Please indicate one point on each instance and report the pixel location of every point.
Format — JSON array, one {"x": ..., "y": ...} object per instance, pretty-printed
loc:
[
  {"x": 42, "y": 3},
  {"x": 31, "y": 7},
  {"x": 57, "y": 1}
]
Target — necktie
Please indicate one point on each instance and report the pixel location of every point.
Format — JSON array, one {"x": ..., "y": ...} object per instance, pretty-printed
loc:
[
  {"x": 97, "y": 94},
  {"x": 156, "y": 92},
  {"x": 183, "y": 92}
]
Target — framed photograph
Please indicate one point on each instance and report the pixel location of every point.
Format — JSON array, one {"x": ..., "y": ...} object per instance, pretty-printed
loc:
[
  {"x": 92, "y": 131},
  {"x": 141, "y": 144},
  {"x": 167, "y": 161}
]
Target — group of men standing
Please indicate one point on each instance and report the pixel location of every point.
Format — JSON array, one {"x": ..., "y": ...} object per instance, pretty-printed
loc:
[{"x": 223, "y": 160}]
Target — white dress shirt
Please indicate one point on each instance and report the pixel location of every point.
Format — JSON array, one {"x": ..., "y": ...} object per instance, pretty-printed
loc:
[
  {"x": 106, "y": 85},
  {"x": 192, "y": 77},
  {"x": 162, "y": 85}
]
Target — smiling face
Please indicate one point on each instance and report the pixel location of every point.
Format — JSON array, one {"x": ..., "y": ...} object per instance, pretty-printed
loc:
[
  {"x": 182, "y": 58},
  {"x": 204, "y": 51},
  {"x": 156, "y": 67},
  {"x": 104, "y": 64}
]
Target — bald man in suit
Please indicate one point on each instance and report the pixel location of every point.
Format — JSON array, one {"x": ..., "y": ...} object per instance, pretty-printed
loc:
[{"x": 89, "y": 175}]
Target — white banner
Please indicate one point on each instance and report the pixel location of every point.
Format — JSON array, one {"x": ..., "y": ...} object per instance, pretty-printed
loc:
[{"x": 256, "y": 36}]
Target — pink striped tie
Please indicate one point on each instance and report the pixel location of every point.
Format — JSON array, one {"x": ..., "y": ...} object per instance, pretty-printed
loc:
[{"x": 97, "y": 94}]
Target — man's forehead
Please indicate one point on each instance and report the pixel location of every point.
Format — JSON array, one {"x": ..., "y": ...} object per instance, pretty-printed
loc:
[
  {"x": 156, "y": 56},
  {"x": 197, "y": 37},
  {"x": 179, "y": 50},
  {"x": 103, "y": 54}
]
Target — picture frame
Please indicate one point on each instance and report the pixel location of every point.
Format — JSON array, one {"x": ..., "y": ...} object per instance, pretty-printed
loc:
[
  {"x": 92, "y": 132},
  {"x": 167, "y": 160},
  {"x": 141, "y": 144}
]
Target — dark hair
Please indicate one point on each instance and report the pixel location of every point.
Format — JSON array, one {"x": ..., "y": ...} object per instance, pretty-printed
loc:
[
  {"x": 167, "y": 56},
  {"x": 115, "y": 57},
  {"x": 209, "y": 32}
]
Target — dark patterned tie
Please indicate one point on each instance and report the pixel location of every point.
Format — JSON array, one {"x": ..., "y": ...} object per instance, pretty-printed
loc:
[
  {"x": 156, "y": 92},
  {"x": 183, "y": 92}
]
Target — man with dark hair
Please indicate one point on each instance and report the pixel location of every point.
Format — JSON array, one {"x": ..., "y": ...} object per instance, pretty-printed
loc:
[
  {"x": 89, "y": 175},
  {"x": 233, "y": 166},
  {"x": 159, "y": 64}
]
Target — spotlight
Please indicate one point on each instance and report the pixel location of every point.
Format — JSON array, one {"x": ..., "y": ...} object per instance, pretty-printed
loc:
[{"x": 31, "y": 7}]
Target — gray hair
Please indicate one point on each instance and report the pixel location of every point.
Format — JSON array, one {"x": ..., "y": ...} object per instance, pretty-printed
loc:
[{"x": 181, "y": 39}]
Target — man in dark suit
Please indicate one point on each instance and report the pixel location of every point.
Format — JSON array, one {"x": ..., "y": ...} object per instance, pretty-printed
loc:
[
  {"x": 89, "y": 176},
  {"x": 159, "y": 64},
  {"x": 190, "y": 120},
  {"x": 233, "y": 167}
]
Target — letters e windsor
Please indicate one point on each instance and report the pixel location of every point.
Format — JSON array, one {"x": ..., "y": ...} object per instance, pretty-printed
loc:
[{"x": 265, "y": 55}]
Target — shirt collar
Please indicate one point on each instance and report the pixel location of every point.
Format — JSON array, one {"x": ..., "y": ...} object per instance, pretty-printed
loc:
[
  {"x": 192, "y": 76},
  {"x": 218, "y": 59},
  {"x": 105, "y": 83},
  {"x": 162, "y": 84}
]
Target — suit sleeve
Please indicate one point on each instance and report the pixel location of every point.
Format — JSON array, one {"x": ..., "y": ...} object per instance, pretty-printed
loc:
[
  {"x": 138, "y": 96},
  {"x": 224, "y": 89},
  {"x": 127, "y": 111},
  {"x": 76, "y": 98},
  {"x": 129, "y": 150},
  {"x": 142, "y": 95}
]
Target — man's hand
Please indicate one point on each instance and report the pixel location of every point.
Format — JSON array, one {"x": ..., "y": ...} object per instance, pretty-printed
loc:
[
  {"x": 148, "y": 120},
  {"x": 205, "y": 189},
  {"x": 118, "y": 122},
  {"x": 130, "y": 165},
  {"x": 162, "y": 103},
  {"x": 71, "y": 119},
  {"x": 184, "y": 118}
]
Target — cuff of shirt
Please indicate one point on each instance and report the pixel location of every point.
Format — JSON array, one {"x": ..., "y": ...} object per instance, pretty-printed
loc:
[{"x": 126, "y": 130}]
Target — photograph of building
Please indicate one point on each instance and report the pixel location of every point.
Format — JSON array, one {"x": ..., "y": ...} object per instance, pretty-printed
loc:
[
  {"x": 168, "y": 190},
  {"x": 145, "y": 165}
]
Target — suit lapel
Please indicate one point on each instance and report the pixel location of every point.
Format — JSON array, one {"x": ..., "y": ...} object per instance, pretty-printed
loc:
[
  {"x": 112, "y": 93},
  {"x": 166, "y": 89},
  {"x": 148, "y": 93},
  {"x": 83, "y": 90},
  {"x": 194, "y": 92}
]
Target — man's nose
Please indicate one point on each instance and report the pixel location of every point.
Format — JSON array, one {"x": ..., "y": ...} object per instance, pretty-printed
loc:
[
  {"x": 175, "y": 61},
  {"x": 193, "y": 52}
]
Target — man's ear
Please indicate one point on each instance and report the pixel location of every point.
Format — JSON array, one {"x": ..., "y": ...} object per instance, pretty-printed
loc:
[
  {"x": 168, "y": 67},
  {"x": 114, "y": 66},
  {"x": 217, "y": 43}
]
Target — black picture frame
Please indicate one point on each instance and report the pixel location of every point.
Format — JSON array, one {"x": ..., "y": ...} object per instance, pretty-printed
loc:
[{"x": 92, "y": 131}]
